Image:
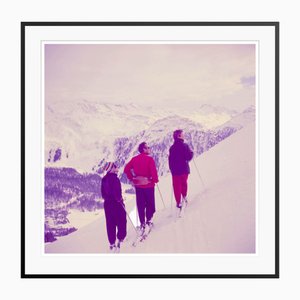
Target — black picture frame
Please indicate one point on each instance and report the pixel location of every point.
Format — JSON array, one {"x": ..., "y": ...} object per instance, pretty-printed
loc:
[{"x": 24, "y": 26}]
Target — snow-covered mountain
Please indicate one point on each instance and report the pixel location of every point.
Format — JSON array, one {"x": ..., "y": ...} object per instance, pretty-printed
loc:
[
  {"x": 220, "y": 217},
  {"x": 241, "y": 120},
  {"x": 84, "y": 134},
  {"x": 159, "y": 137},
  {"x": 77, "y": 135}
]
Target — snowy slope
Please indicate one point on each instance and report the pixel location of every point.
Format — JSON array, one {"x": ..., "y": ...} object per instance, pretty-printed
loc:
[{"x": 219, "y": 218}]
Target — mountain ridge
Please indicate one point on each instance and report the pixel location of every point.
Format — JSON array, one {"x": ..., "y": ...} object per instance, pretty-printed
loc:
[{"x": 82, "y": 139}]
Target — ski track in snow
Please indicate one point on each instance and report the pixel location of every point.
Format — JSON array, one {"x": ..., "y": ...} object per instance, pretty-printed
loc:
[{"x": 218, "y": 219}]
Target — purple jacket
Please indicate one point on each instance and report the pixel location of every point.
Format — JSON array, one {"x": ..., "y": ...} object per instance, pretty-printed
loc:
[
  {"x": 179, "y": 156},
  {"x": 111, "y": 188}
]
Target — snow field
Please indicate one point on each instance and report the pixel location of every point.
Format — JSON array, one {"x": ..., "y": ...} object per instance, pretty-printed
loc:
[{"x": 220, "y": 216}]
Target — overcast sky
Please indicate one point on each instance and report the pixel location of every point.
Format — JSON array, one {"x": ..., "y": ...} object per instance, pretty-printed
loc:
[{"x": 177, "y": 75}]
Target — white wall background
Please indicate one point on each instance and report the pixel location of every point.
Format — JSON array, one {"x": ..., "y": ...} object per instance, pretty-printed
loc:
[{"x": 12, "y": 13}]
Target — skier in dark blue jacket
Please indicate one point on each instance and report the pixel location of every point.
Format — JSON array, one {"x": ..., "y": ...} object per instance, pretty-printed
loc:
[
  {"x": 179, "y": 156},
  {"x": 114, "y": 207}
]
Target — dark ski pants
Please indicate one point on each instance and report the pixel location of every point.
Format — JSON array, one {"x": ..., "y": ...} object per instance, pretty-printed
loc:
[
  {"x": 180, "y": 186},
  {"x": 145, "y": 202},
  {"x": 115, "y": 221}
]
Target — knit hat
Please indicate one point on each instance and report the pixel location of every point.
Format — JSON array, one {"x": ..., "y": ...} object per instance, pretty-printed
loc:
[
  {"x": 108, "y": 166},
  {"x": 177, "y": 133}
]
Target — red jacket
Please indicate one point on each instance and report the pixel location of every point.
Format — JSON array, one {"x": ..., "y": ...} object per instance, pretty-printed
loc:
[{"x": 142, "y": 165}]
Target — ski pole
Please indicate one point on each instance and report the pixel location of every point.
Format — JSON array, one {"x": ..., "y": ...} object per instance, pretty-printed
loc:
[
  {"x": 199, "y": 173},
  {"x": 161, "y": 196},
  {"x": 136, "y": 216},
  {"x": 172, "y": 196},
  {"x": 122, "y": 204}
]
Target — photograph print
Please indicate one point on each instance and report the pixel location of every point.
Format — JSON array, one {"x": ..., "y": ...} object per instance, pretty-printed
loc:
[{"x": 150, "y": 148}]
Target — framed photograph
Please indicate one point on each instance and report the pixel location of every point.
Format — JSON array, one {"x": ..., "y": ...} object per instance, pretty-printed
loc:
[{"x": 150, "y": 149}]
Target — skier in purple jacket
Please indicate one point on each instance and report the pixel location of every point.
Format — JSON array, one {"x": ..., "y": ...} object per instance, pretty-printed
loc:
[
  {"x": 114, "y": 207},
  {"x": 179, "y": 156}
]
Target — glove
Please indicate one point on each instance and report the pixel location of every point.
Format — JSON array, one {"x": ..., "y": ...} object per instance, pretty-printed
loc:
[{"x": 140, "y": 180}]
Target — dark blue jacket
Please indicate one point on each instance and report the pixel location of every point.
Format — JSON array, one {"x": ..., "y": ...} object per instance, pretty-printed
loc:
[
  {"x": 111, "y": 188},
  {"x": 179, "y": 156}
]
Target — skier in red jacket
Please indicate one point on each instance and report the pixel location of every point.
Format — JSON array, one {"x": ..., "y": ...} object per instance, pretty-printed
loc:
[{"x": 141, "y": 170}]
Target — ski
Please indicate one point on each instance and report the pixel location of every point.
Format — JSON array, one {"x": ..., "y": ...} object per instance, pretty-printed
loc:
[
  {"x": 181, "y": 210},
  {"x": 139, "y": 236},
  {"x": 118, "y": 246},
  {"x": 142, "y": 237},
  {"x": 147, "y": 232},
  {"x": 179, "y": 213},
  {"x": 115, "y": 248}
]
